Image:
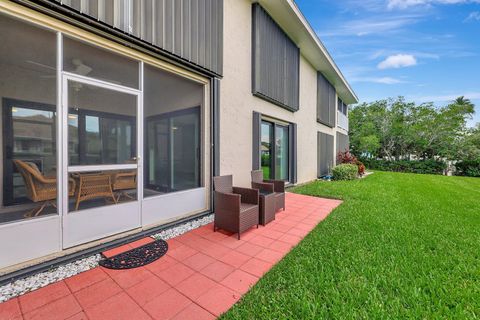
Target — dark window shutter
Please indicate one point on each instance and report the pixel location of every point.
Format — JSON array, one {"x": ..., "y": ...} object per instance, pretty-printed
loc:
[
  {"x": 275, "y": 62},
  {"x": 325, "y": 101},
  {"x": 325, "y": 154},
  {"x": 257, "y": 123}
]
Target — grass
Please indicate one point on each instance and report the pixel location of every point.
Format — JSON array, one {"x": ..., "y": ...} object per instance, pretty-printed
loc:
[{"x": 400, "y": 246}]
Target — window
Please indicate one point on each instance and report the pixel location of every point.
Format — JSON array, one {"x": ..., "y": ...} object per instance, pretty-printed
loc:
[
  {"x": 172, "y": 134},
  {"x": 276, "y": 62},
  {"x": 28, "y": 124},
  {"x": 342, "y": 107}
]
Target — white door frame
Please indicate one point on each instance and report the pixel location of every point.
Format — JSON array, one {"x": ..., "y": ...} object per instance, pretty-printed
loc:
[{"x": 92, "y": 224}]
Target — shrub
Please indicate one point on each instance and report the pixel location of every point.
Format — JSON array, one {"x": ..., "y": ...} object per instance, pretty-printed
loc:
[
  {"x": 345, "y": 172},
  {"x": 411, "y": 166},
  {"x": 469, "y": 168},
  {"x": 348, "y": 158},
  {"x": 361, "y": 168}
]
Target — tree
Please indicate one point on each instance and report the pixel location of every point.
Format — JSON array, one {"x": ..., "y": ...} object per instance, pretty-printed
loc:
[{"x": 396, "y": 129}]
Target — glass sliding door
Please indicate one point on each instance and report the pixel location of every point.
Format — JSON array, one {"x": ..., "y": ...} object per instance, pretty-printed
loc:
[
  {"x": 281, "y": 152},
  {"x": 266, "y": 149},
  {"x": 274, "y": 150}
]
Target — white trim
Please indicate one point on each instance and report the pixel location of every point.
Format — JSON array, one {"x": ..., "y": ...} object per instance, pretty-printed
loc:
[
  {"x": 102, "y": 167},
  {"x": 59, "y": 136},
  {"x": 140, "y": 131},
  {"x": 100, "y": 83}
]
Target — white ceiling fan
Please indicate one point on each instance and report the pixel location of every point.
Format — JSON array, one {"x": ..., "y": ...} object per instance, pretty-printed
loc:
[{"x": 80, "y": 69}]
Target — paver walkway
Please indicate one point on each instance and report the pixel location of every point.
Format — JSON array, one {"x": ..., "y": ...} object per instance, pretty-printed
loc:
[{"x": 203, "y": 274}]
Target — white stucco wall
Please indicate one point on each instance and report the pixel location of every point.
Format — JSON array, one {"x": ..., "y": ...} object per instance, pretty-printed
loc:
[{"x": 238, "y": 103}]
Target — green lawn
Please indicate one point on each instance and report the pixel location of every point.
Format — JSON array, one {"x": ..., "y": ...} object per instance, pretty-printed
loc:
[{"x": 400, "y": 246}]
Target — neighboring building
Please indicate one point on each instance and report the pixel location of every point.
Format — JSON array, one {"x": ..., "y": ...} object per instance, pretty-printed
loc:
[{"x": 121, "y": 111}]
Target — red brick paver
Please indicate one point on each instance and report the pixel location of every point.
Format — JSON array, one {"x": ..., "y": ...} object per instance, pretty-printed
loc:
[{"x": 202, "y": 276}]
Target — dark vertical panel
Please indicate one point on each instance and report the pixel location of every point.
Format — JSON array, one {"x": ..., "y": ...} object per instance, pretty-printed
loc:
[
  {"x": 109, "y": 11},
  {"x": 186, "y": 29},
  {"x": 293, "y": 152},
  {"x": 325, "y": 101},
  {"x": 325, "y": 156},
  {"x": 275, "y": 62},
  {"x": 208, "y": 33},
  {"x": 201, "y": 31},
  {"x": 330, "y": 153},
  {"x": 75, "y": 4},
  {"x": 169, "y": 16},
  {"x": 137, "y": 18},
  {"x": 147, "y": 22},
  {"x": 215, "y": 100},
  {"x": 256, "y": 141},
  {"x": 160, "y": 23},
  {"x": 219, "y": 36},
  {"x": 194, "y": 31},
  {"x": 92, "y": 8},
  {"x": 178, "y": 27},
  {"x": 343, "y": 142}
]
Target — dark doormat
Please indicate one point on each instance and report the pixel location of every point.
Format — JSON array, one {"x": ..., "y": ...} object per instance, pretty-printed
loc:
[{"x": 136, "y": 257}]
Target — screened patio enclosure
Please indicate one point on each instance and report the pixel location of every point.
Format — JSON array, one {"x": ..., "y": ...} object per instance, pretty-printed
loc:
[{"x": 95, "y": 142}]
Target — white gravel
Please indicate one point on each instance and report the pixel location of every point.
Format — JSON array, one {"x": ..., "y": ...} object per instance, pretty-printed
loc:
[
  {"x": 185, "y": 227},
  {"x": 42, "y": 279}
]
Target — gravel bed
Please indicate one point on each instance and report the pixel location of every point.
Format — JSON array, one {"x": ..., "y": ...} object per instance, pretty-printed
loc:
[
  {"x": 184, "y": 227},
  {"x": 42, "y": 279}
]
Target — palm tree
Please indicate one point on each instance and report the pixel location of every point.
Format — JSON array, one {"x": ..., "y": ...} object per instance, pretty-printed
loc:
[{"x": 461, "y": 101}]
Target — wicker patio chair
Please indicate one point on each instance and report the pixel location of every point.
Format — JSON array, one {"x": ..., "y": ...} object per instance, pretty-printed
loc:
[
  {"x": 39, "y": 187},
  {"x": 93, "y": 186},
  {"x": 278, "y": 187},
  {"x": 236, "y": 209},
  {"x": 122, "y": 181}
]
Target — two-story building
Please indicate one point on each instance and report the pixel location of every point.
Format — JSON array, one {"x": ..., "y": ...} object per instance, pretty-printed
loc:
[{"x": 116, "y": 114}]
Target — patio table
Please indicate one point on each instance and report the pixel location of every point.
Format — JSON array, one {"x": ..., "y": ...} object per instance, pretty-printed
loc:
[{"x": 267, "y": 207}]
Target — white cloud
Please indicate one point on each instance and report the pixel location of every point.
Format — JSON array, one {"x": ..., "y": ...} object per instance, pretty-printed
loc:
[
  {"x": 398, "y": 61},
  {"x": 404, "y": 4},
  {"x": 473, "y": 16},
  {"x": 373, "y": 25},
  {"x": 450, "y": 97},
  {"x": 381, "y": 80}
]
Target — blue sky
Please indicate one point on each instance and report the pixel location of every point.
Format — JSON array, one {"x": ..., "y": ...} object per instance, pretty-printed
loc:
[{"x": 425, "y": 50}]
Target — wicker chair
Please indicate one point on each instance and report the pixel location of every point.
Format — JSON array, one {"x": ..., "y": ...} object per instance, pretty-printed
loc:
[
  {"x": 236, "y": 209},
  {"x": 40, "y": 188},
  {"x": 278, "y": 186},
  {"x": 122, "y": 181}
]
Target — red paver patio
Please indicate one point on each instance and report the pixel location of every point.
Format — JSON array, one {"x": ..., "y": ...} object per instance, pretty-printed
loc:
[{"x": 202, "y": 275}]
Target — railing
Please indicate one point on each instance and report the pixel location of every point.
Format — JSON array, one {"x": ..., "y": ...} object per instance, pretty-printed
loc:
[{"x": 342, "y": 120}]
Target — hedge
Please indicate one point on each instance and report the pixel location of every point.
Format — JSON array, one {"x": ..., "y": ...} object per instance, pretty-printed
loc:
[
  {"x": 469, "y": 168},
  {"x": 345, "y": 172},
  {"x": 411, "y": 166}
]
